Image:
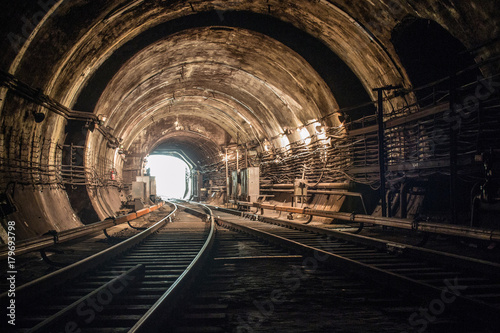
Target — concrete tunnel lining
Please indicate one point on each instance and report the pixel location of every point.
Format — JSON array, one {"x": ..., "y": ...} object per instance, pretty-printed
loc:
[
  {"x": 268, "y": 89},
  {"x": 72, "y": 47},
  {"x": 267, "y": 85}
]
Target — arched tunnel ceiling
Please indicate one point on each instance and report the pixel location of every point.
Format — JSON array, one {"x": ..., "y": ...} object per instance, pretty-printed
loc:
[
  {"x": 249, "y": 84},
  {"x": 188, "y": 145},
  {"x": 72, "y": 51},
  {"x": 119, "y": 22},
  {"x": 74, "y": 39},
  {"x": 197, "y": 140}
]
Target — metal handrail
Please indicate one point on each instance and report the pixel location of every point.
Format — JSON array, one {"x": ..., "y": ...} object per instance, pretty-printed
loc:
[
  {"x": 33, "y": 288},
  {"x": 149, "y": 322},
  {"x": 45, "y": 241}
]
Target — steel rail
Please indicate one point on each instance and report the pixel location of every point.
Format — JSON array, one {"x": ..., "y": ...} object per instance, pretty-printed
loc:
[
  {"x": 149, "y": 322},
  {"x": 337, "y": 186},
  {"x": 134, "y": 274},
  {"x": 419, "y": 289},
  {"x": 43, "y": 242},
  {"x": 486, "y": 268},
  {"x": 437, "y": 228},
  {"x": 32, "y": 289}
]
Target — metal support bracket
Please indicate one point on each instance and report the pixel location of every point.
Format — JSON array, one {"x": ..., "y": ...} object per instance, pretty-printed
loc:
[
  {"x": 54, "y": 234},
  {"x": 43, "y": 253},
  {"x": 361, "y": 225},
  {"x": 414, "y": 225}
]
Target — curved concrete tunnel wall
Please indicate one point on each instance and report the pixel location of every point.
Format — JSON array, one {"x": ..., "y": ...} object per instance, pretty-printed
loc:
[
  {"x": 75, "y": 39},
  {"x": 251, "y": 86}
]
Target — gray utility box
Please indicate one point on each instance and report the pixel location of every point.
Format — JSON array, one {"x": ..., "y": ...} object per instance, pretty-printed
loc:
[
  {"x": 138, "y": 204},
  {"x": 197, "y": 184},
  {"x": 250, "y": 184},
  {"x": 150, "y": 183},
  {"x": 139, "y": 191},
  {"x": 300, "y": 188}
]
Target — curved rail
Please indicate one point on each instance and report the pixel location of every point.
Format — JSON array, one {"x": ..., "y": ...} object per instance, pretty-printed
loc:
[
  {"x": 437, "y": 228},
  {"x": 420, "y": 272},
  {"x": 486, "y": 268},
  {"x": 145, "y": 273},
  {"x": 60, "y": 276},
  {"x": 54, "y": 237},
  {"x": 149, "y": 322}
]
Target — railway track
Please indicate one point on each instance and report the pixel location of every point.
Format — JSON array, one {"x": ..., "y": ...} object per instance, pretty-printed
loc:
[
  {"x": 266, "y": 275},
  {"x": 256, "y": 287},
  {"x": 443, "y": 285},
  {"x": 29, "y": 266},
  {"x": 127, "y": 288}
]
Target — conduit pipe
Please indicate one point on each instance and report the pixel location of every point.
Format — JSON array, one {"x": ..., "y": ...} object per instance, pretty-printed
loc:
[{"x": 437, "y": 228}]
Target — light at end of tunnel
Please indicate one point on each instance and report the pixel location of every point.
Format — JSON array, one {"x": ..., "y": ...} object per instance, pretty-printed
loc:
[{"x": 171, "y": 176}]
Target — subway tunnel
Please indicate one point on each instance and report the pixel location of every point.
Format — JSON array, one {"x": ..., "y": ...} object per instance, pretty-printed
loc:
[
  {"x": 395, "y": 102},
  {"x": 379, "y": 118}
]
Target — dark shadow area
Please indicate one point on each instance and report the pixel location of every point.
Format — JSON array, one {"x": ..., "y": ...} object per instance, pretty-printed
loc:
[{"x": 430, "y": 53}]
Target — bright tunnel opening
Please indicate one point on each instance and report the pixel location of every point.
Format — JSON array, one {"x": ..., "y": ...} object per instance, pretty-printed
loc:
[{"x": 172, "y": 176}]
